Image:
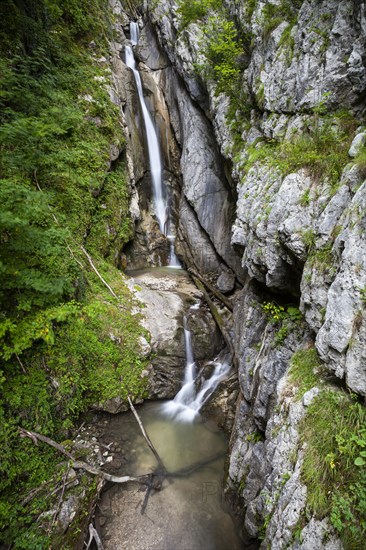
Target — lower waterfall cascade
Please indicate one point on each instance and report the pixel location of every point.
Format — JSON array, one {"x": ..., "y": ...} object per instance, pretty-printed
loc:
[{"x": 194, "y": 393}]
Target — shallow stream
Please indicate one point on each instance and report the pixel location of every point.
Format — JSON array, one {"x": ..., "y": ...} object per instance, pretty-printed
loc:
[{"x": 189, "y": 513}]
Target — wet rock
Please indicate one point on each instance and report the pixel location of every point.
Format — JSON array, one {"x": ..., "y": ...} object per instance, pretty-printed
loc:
[
  {"x": 166, "y": 298},
  {"x": 149, "y": 51},
  {"x": 114, "y": 405}
]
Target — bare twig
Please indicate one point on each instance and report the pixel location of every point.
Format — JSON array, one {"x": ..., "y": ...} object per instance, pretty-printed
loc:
[
  {"x": 94, "y": 535},
  {"x": 20, "y": 363},
  {"x": 99, "y": 275}
]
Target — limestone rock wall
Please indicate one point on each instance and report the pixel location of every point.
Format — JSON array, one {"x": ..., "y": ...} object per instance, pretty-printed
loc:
[
  {"x": 277, "y": 216},
  {"x": 300, "y": 235}
]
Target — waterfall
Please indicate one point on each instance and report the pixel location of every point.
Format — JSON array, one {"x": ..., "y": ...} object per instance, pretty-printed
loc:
[
  {"x": 189, "y": 400},
  {"x": 134, "y": 33},
  {"x": 160, "y": 203}
]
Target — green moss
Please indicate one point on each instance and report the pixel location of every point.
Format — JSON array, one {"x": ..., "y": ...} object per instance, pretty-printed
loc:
[
  {"x": 305, "y": 368},
  {"x": 66, "y": 342}
]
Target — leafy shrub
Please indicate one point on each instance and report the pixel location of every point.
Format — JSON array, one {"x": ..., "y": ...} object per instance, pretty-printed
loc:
[
  {"x": 285, "y": 316},
  {"x": 192, "y": 10},
  {"x": 65, "y": 342},
  {"x": 222, "y": 49}
]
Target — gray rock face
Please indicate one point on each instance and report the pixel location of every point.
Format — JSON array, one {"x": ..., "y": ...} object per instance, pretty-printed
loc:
[
  {"x": 357, "y": 144},
  {"x": 205, "y": 188},
  {"x": 324, "y": 59},
  {"x": 340, "y": 339},
  {"x": 166, "y": 299},
  {"x": 271, "y": 225},
  {"x": 318, "y": 536}
]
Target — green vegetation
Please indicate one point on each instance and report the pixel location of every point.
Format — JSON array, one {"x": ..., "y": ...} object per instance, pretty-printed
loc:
[
  {"x": 220, "y": 43},
  {"x": 305, "y": 366},
  {"x": 322, "y": 150},
  {"x": 193, "y": 10},
  {"x": 285, "y": 317},
  {"x": 66, "y": 342},
  {"x": 222, "y": 50},
  {"x": 334, "y": 431},
  {"x": 274, "y": 14}
]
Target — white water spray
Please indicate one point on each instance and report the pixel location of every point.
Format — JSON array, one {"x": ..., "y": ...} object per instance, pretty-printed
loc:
[
  {"x": 187, "y": 403},
  {"x": 160, "y": 203}
]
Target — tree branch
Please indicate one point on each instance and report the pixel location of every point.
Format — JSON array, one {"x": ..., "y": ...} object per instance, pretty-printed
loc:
[
  {"x": 227, "y": 303},
  {"x": 148, "y": 440},
  {"x": 78, "y": 465},
  {"x": 99, "y": 275}
]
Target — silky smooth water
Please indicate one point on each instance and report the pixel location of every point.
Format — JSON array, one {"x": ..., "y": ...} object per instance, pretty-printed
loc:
[
  {"x": 189, "y": 513},
  {"x": 162, "y": 211}
]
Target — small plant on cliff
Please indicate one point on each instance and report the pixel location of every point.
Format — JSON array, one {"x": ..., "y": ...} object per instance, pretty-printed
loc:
[
  {"x": 305, "y": 367},
  {"x": 274, "y": 14},
  {"x": 287, "y": 317},
  {"x": 334, "y": 468}
]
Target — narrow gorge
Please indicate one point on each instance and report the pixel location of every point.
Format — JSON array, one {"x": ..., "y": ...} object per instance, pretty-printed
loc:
[{"x": 214, "y": 265}]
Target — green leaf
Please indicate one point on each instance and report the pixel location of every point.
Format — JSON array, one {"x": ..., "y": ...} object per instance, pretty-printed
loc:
[{"x": 360, "y": 461}]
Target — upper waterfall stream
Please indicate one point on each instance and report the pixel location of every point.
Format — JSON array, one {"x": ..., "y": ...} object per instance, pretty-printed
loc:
[{"x": 162, "y": 212}]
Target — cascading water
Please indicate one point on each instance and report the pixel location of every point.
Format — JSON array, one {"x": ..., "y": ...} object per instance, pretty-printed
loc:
[
  {"x": 188, "y": 401},
  {"x": 160, "y": 202}
]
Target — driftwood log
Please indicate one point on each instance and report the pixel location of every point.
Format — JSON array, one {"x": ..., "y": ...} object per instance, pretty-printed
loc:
[
  {"x": 79, "y": 465},
  {"x": 227, "y": 303},
  {"x": 218, "y": 319}
]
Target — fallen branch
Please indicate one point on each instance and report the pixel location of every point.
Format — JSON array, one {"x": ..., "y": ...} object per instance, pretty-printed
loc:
[
  {"x": 78, "y": 465},
  {"x": 94, "y": 535},
  {"x": 20, "y": 363},
  {"x": 227, "y": 303},
  {"x": 147, "y": 439},
  {"x": 217, "y": 318},
  {"x": 99, "y": 275}
]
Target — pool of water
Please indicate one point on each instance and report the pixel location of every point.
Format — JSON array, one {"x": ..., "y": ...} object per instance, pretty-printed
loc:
[{"x": 189, "y": 513}]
